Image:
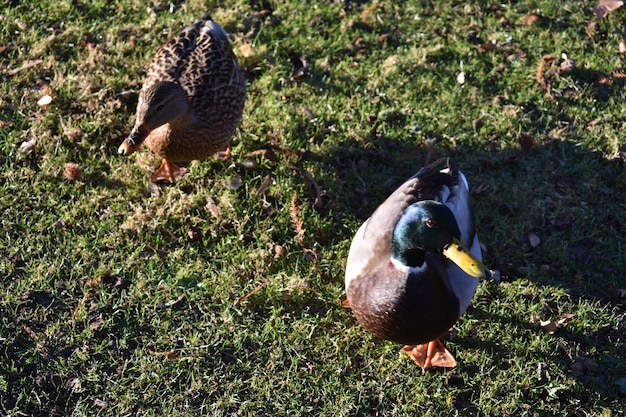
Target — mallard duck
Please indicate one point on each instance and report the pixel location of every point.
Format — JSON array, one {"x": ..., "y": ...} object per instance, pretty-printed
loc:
[
  {"x": 192, "y": 100},
  {"x": 414, "y": 265}
]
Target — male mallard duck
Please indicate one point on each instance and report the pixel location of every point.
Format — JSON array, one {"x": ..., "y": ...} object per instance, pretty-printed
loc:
[
  {"x": 192, "y": 100},
  {"x": 410, "y": 274}
]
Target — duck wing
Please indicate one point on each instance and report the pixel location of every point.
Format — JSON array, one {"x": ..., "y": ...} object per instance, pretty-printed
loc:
[{"x": 372, "y": 242}]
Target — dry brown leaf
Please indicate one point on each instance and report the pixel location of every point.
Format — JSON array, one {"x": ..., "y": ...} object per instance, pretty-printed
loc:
[
  {"x": 25, "y": 65},
  {"x": 250, "y": 294},
  {"x": 101, "y": 403},
  {"x": 367, "y": 11},
  {"x": 526, "y": 141},
  {"x": 310, "y": 255},
  {"x": 548, "y": 326},
  {"x": 169, "y": 354},
  {"x": 551, "y": 326},
  {"x": 171, "y": 303},
  {"x": 213, "y": 208},
  {"x": 266, "y": 152},
  {"x": 194, "y": 234},
  {"x": 488, "y": 46},
  {"x": 279, "y": 251},
  {"x": 531, "y": 19},
  {"x": 300, "y": 65},
  {"x": 28, "y": 146},
  {"x": 295, "y": 218},
  {"x": 75, "y": 385},
  {"x": 546, "y": 61},
  {"x": 517, "y": 54},
  {"x": 72, "y": 171},
  {"x": 317, "y": 191},
  {"x": 384, "y": 38},
  {"x": 604, "y": 7},
  {"x": 246, "y": 50},
  {"x": 266, "y": 183}
]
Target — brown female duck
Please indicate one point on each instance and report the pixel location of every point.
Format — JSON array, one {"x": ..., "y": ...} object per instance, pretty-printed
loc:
[{"x": 192, "y": 100}]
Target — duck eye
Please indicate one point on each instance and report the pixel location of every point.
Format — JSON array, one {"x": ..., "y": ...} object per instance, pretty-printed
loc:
[
  {"x": 431, "y": 223},
  {"x": 159, "y": 107}
]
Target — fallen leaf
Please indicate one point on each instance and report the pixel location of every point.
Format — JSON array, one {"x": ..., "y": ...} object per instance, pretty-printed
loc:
[
  {"x": 549, "y": 326},
  {"x": 266, "y": 183},
  {"x": 488, "y": 46},
  {"x": 300, "y": 65},
  {"x": 75, "y": 385},
  {"x": 531, "y": 19},
  {"x": 44, "y": 100},
  {"x": 546, "y": 61},
  {"x": 310, "y": 255},
  {"x": 101, "y": 403},
  {"x": 367, "y": 11},
  {"x": 171, "y": 303},
  {"x": 525, "y": 140},
  {"x": 384, "y": 38},
  {"x": 25, "y": 65},
  {"x": 154, "y": 189},
  {"x": 194, "y": 234},
  {"x": 213, "y": 208},
  {"x": 622, "y": 47},
  {"x": 250, "y": 294},
  {"x": 317, "y": 191},
  {"x": 246, "y": 50},
  {"x": 72, "y": 171},
  {"x": 604, "y": 7},
  {"x": 28, "y": 146},
  {"x": 169, "y": 354},
  {"x": 517, "y": 54},
  {"x": 541, "y": 373},
  {"x": 533, "y": 239},
  {"x": 279, "y": 251},
  {"x": 235, "y": 182},
  {"x": 295, "y": 218}
]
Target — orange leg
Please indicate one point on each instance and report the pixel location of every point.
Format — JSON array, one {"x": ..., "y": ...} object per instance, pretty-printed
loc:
[
  {"x": 168, "y": 172},
  {"x": 430, "y": 354},
  {"x": 225, "y": 154}
]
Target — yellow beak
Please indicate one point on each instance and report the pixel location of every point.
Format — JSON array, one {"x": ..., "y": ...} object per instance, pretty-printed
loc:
[{"x": 458, "y": 253}]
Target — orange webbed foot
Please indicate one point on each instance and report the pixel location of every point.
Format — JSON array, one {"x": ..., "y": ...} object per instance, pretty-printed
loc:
[
  {"x": 225, "y": 154},
  {"x": 430, "y": 354},
  {"x": 168, "y": 172}
]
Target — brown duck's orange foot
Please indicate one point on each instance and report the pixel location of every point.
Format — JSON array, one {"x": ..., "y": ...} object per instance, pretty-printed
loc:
[
  {"x": 430, "y": 354},
  {"x": 225, "y": 154},
  {"x": 168, "y": 172}
]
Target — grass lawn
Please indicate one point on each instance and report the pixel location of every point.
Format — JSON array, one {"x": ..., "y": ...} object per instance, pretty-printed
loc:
[{"x": 221, "y": 295}]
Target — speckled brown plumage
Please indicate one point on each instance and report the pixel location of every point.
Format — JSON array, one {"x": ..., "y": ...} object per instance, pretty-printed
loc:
[{"x": 199, "y": 119}]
